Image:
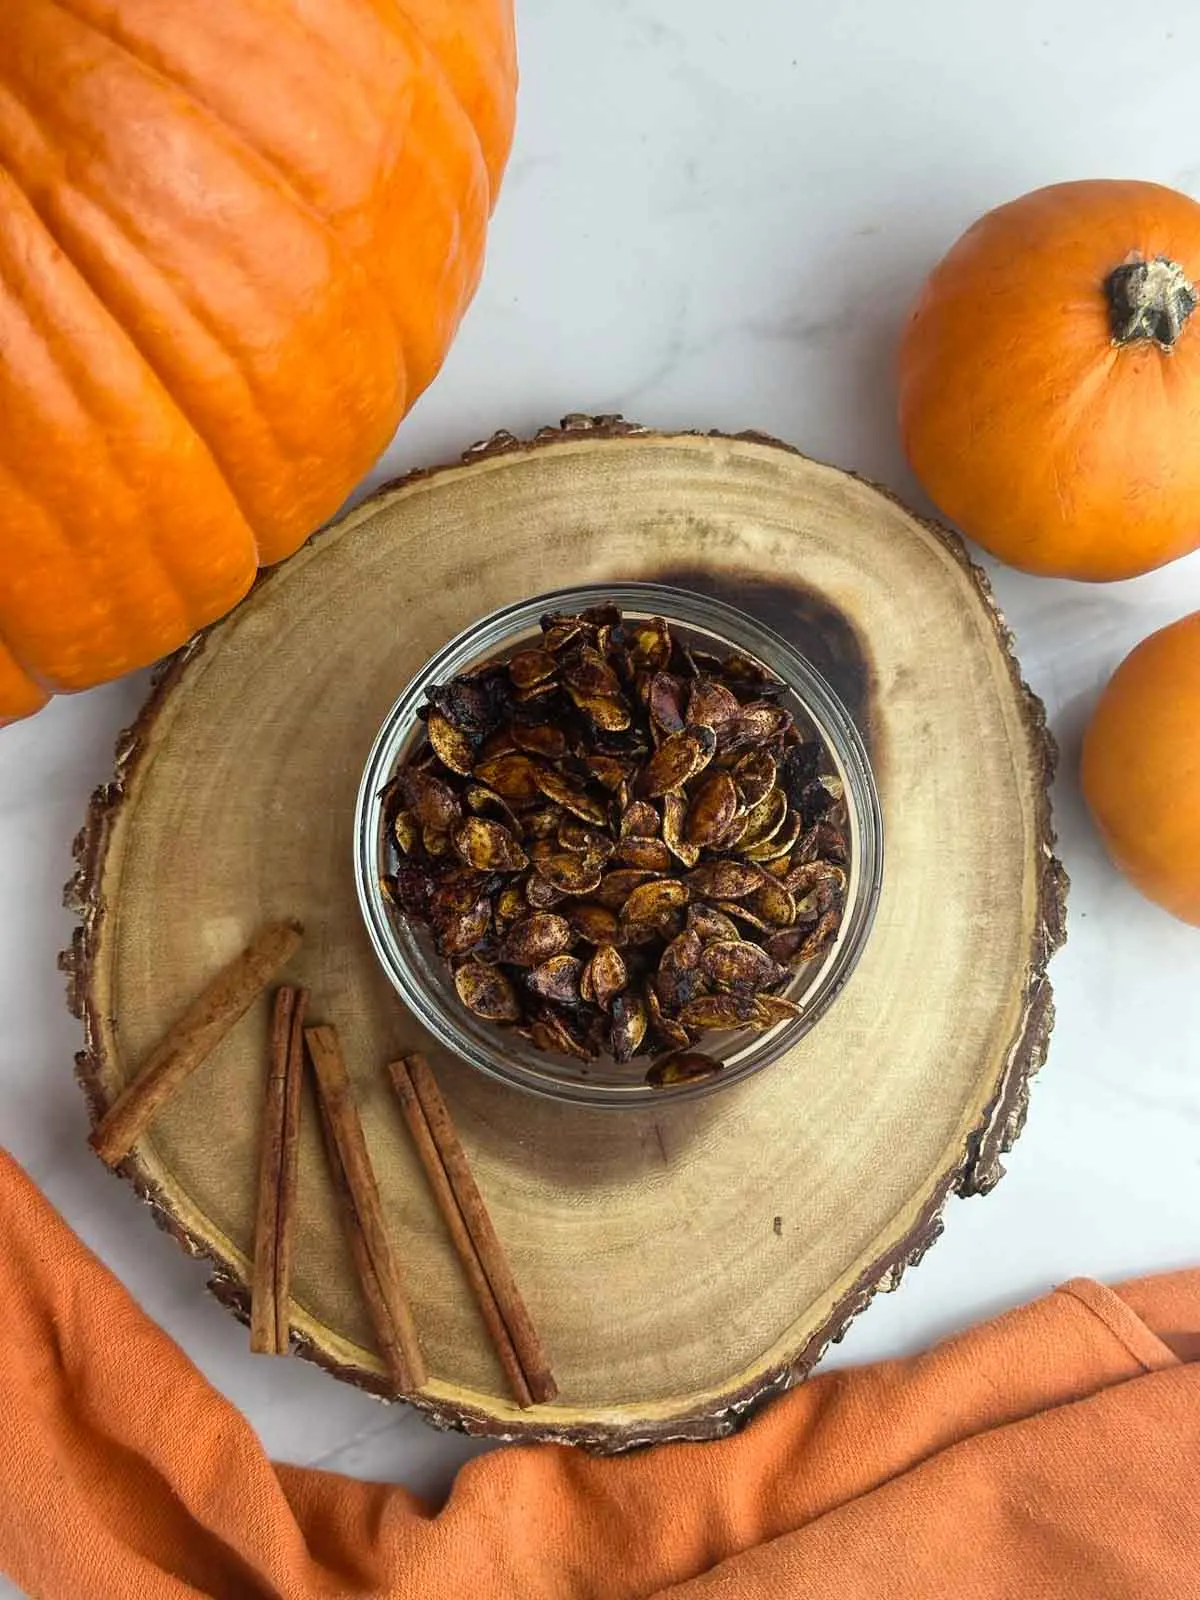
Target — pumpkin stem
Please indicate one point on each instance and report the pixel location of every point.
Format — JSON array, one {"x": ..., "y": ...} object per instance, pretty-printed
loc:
[{"x": 1149, "y": 300}]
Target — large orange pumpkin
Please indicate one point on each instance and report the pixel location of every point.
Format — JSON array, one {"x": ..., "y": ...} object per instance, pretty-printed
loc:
[
  {"x": 1050, "y": 380},
  {"x": 236, "y": 239},
  {"x": 1141, "y": 767}
]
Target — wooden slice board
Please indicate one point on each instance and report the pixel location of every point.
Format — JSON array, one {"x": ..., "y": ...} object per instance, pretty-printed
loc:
[{"x": 679, "y": 1265}]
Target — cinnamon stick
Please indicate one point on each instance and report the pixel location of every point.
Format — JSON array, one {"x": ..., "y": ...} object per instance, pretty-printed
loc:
[
  {"x": 385, "y": 1333},
  {"x": 289, "y": 1172},
  {"x": 529, "y": 1349},
  {"x": 460, "y": 1236},
  {"x": 263, "y": 1335},
  {"x": 366, "y": 1218},
  {"x": 275, "y": 1217},
  {"x": 192, "y": 1039}
]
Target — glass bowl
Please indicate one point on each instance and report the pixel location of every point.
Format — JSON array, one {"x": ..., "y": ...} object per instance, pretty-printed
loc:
[{"x": 424, "y": 981}]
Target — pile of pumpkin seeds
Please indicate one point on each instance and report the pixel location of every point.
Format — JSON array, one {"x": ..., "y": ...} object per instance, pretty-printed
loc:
[{"x": 620, "y": 844}]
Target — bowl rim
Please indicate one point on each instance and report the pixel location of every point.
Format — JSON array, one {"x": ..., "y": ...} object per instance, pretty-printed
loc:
[{"x": 834, "y": 724}]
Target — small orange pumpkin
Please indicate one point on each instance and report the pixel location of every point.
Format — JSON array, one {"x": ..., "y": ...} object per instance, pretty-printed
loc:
[
  {"x": 236, "y": 240},
  {"x": 1050, "y": 380},
  {"x": 1141, "y": 767}
]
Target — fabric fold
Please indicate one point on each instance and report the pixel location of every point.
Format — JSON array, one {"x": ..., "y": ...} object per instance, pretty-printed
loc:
[{"x": 1052, "y": 1451}]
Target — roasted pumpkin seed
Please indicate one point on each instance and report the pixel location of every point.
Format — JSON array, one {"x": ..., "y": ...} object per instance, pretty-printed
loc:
[
  {"x": 665, "y": 697},
  {"x": 608, "y": 975},
  {"x": 774, "y": 903},
  {"x": 677, "y": 760},
  {"x": 650, "y": 854},
  {"x": 500, "y": 743},
  {"x": 756, "y": 774},
  {"x": 710, "y": 923},
  {"x": 725, "y": 880},
  {"x": 718, "y": 1011},
  {"x": 406, "y": 832},
  {"x": 530, "y": 667},
  {"x": 587, "y": 988},
  {"x": 432, "y": 802},
  {"x": 560, "y": 631},
  {"x": 435, "y": 841},
  {"x": 577, "y": 836},
  {"x": 737, "y": 964},
  {"x": 475, "y": 703},
  {"x": 807, "y": 876},
  {"x": 616, "y": 887},
  {"x": 571, "y": 873},
  {"x": 532, "y": 941},
  {"x": 682, "y": 1066},
  {"x": 755, "y": 726},
  {"x": 711, "y": 703},
  {"x": 541, "y": 894},
  {"x": 801, "y": 764},
  {"x": 679, "y": 978},
  {"x": 540, "y": 739},
  {"x": 778, "y": 1008},
  {"x": 639, "y": 820},
  {"x": 777, "y": 843},
  {"x": 630, "y": 1019},
  {"x": 489, "y": 846},
  {"x": 589, "y": 674},
  {"x": 564, "y": 793},
  {"x": 409, "y": 888},
  {"x": 459, "y": 931},
  {"x": 667, "y": 1028},
  {"x": 751, "y": 674},
  {"x": 649, "y": 644},
  {"x": 549, "y": 1031},
  {"x": 557, "y": 979},
  {"x": 510, "y": 906},
  {"x": 512, "y": 776},
  {"x": 487, "y": 992},
  {"x": 485, "y": 802},
  {"x": 606, "y": 711},
  {"x": 457, "y": 890},
  {"x": 744, "y": 917},
  {"x": 654, "y": 902},
  {"x": 593, "y": 923},
  {"x": 765, "y": 819},
  {"x": 712, "y": 810},
  {"x": 454, "y": 749},
  {"x": 675, "y": 809},
  {"x": 542, "y": 822}
]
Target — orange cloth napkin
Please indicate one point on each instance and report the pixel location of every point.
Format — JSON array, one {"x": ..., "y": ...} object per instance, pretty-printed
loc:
[{"x": 1054, "y": 1452}]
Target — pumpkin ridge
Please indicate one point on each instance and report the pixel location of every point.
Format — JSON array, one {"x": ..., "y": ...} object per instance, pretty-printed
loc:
[
  {"x": 168, "y": 392},
  {"x": 493, "y": 186},
  {"x": 45, "y": 678},
  {"x": 263, "y": 412},
  {"x": 54, "y": 553},
  {"x": 279, "y": 175},
  {"x": 254, "y": 153},
  {"x": 432, "y": 55}
]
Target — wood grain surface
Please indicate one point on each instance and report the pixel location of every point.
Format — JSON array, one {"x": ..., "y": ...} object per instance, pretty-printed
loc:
[{"x": 679, "y": 1266}]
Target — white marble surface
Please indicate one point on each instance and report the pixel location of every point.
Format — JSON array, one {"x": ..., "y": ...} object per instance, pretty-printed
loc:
[{"x": 715, "y": 217}]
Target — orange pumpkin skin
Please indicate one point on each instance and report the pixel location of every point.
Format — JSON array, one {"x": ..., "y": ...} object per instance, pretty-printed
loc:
[
  {"x": 235, "y": 244},
  {"x": 1058, "y": 435},
  {"x": 1141, "y": 767}
]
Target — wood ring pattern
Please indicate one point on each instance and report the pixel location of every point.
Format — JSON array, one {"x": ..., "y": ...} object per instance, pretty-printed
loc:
[{"x": 683, "y": 1267}]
